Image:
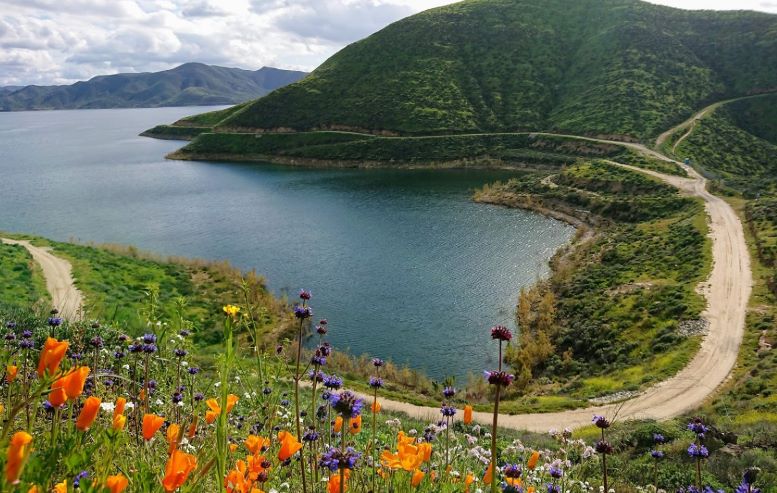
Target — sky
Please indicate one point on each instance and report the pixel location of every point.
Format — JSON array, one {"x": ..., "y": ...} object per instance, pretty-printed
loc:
[{"x": 62, "y": 41}]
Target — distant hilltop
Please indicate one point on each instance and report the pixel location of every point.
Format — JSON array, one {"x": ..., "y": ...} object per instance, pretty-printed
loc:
[{"x": 191, "y": 84}]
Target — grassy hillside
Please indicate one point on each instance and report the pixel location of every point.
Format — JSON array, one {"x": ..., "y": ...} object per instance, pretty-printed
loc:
[
  {"x": 618, "y": 67},
  {"x": 22, "y": 281},
  {"x": 191, "y": 84}
]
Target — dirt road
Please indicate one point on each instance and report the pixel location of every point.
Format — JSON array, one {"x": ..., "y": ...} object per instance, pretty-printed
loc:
[{"x": 65, "y": 296}]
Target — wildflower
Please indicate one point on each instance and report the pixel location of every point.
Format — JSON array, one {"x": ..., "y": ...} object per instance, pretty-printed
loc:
[
  {"x": 377, "y": 362},
  {"x": 333, "y": 484},
  {"x": 54, "y": 321},
  {"x": 51, "y": 356},
  {"x": 697, "y": 426},
  {"x": 748, "y": 479},
  {"x": 81, "y": 475},
  {"x": 231, "y": 310},
  {"x": 448, "y": 392},
  {"x": 75, "y": 381},
  {"x": 173, "y": 435},
  {"x": 448, "y": 411},
  {"x": 418, "y": 476},
  {"x": 603, "y": 447},
  {"x": 659, "y": 438},
  {"x": 289, "y": 445},
  {"x": 181, "y": 352},
  {"x": 27, "y": 344},
  {"x": 16, "y": 455},
  {"x": 149, "y": 338},
  {"x": 532, "y": 463},
  {"x": 193, "y": 370},
  {"x": 555, "y": 472},
  {"x": 338, "y": 426},
  {"x": 375, "y": 407},
  {"x": 601, "y": 422},
  {"x": 512, "y": 471},
  {"x": 346, "y": 404},
  {"x": 499, "y": 378},
  {"x": 335, "y": 459},
  {"x": 10, "y": 373},
  {"x": 60, "y": 487},
  {"x": 151, "y": 424},
  {"x": 501, "y": 333},
  {"x": 698, "y": 451},
  {"x": 302, "y": 312},
  {"x": 657, "y": 454},
  {"x": 256, "y": 444},
  {"x": 355, "y": 425},
  {"x": 467, "y": 414},
  {"x": 333, "y": 382},
  {"x": 97, "y": 342},
  {"x": 116, "y": 484},
  {"x": 376, "y": 382},
  {"x": 119, "y": 420},
  {"x": 178, "y": 468},
  {"x": 321, "y": 328},
  {"x": 304, "y": 295},
  {"x": 88, "y": 413},
  {"x": 310, "y": 435},
  {"x": 318, "y": 360}
]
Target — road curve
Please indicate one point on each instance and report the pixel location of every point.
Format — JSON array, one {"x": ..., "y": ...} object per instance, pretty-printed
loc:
[
  {"x": 727, "y": 292},
  {"x": 65, "y": 296}
]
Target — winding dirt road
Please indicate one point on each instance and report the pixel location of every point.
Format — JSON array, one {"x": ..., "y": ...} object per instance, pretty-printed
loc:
[
  {"x": 65, "y": 296},
  {"x": 727, "y": 292}
]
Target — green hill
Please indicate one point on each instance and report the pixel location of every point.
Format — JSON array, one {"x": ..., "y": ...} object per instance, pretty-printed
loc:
[
  {"x": 615, "y": 67},
  {"x": 191, "y": 84}
]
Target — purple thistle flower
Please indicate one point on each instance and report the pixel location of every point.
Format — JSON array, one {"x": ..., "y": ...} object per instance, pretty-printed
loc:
[
  {"x": 302, "y": 312},
  {"x": 318, "y": 360},
  {"x": 335, "y": 459},
  {"x": 499, "y": 378},
  {"x": 325, "y": 349},
  {"x": 376, "y": 382},
  {"x": 377, "y": 362},
  {"x": 310, "y": 436},
  {"x": 657, "y": 454},
  {"x": 603, "y": 447},
  {"x": 601, "y": 422},
  {"x": 135, "y": 348},
  {"x": 316, "y": 375},
  {"x": 333, "y": 382},
  {"x": 346, "y": 404},
  {"x": 556, "y": 472},
  {"x": 448, "y": 392},
  {"x": 119, "y": 354},
  {"x": 501, "y": 333},
  {"x": 181, "y": 352},
  {"x": 149, "y": 339},
  {"x": 26, "y": 344},
  {"x": 698, "y": 451},
  {"x": 697, "y": 426},
  {"x": 177, "y": 397},
  {"x": 513, "y": 471},
  {"x": 304, "y": 295},
  {"x": 193, "y": 370},
  {"x": 321, "y": 330},
  {"x": 55, "y": 321},
  {"x": 448, "y": 411},
  {"x": 659, "y": 438},
  {"x": 26, "y": 333},
  {"x": 97, "y": 342},
  {"x": 149, "y": 348}
]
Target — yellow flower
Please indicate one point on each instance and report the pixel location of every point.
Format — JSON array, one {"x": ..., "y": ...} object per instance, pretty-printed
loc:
[{"x": 232, "y": 310}]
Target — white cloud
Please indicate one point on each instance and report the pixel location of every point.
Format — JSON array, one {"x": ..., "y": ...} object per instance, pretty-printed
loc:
[{"x": 61, "y": 41}]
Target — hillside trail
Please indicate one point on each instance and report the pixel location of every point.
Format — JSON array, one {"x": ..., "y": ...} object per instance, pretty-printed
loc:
[
  {"x": 727, "y": 292},
  {"x": 65, "y": 296}
]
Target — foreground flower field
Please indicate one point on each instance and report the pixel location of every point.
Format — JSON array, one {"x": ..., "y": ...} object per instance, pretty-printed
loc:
[{"x": 89, "y": 408}]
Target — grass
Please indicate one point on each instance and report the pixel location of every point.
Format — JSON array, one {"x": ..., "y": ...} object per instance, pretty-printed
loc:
[{"x": 22, "y": 280}]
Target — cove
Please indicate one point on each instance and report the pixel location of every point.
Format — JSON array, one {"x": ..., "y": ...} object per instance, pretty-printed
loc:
[{"x": 401, "y": 262}]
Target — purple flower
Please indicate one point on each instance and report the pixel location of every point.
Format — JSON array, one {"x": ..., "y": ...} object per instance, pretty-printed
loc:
[
  {"x": 377, "y": 362},
  {"x": 376, "y": 382},
  {"x": 193, "y": 370},
  {"x": 333, "y": 382},
  {"x": 199, "y": 396},
  {"x": 325, "y": 349},
  {"x": 697, "y": 426},
  {"x": 77, "y": 480},
  {"x": 334, "y": 459},
  {"x": 55, "y": 321},
  {"x": 501, "y": 333},
  {"x": 177, "y": 397},
  {"x": 302, "y": 312},
  {"x": 310, "y": 436},
  {"x": 184, "y": 333},
  {"x": 97, "y": 342},
  {"x": 149, "y": 339},
  {"x": 26, "y": 334},
  {"x": 10, "y": 325},
  {"x": 657, "y": 454},
  {"x": 135, "y": 348},
  {"x": 448, "y": 392},
  {"x": 448, "y": 411},
  {"x": 499, "y": 378},
  {"x": 659, "y": 438},
  {"x": 346, "y": 404},
  {"x": 149, "y": 348},
  {"x": 552, "y": 488},
  {"x": 556, "y": 472},
  {"x": 318, "y": 360},
  {"x": 26, "y": 344},
  {"x": 119, "y": 354},
  {"x": 512, "y": 471},
  {"x": 304, "y": 295},
  {"x": 10, "y": 336},
  {"x": 316, "y": 375},
  {"x": 601, "y": 422},
  {"x": 698, "y": 451},
  {"x": 321, "y": 329},
  {"x": 603, "y": 447},
  {"x": 181, "y": 352}
]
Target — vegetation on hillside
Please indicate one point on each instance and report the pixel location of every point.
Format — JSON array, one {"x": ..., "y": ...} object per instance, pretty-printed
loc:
[
  {"x": 627, "y": 295},
  {"x": 21, "y": 280}
]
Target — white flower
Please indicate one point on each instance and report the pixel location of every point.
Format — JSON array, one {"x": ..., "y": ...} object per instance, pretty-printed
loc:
[
  {"x": 412, "y": 432},
  {"x": 126, "y": 367},
  {"x": 184, "y": 363},
  {"x": 217, "y": 384},
  {"x": 247, "y": 395},
  {"x": 107, "y": 407},
  {"x": 159, "y": 402},
  {"x": 130, "y": 405}
]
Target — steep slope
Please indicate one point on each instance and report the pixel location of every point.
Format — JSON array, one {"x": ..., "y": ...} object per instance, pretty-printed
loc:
[
  {"x": 614, "y": 67},
  {"x": 187, "y": 85}
]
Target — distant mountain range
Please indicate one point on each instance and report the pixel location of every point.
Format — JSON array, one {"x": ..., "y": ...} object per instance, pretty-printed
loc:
[{"x": 191, "y": 84}]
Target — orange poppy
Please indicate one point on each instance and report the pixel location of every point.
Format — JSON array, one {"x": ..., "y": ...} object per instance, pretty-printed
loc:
[
  {"x": 151, "y": 424},
  {"x": 178, "y": 468},
  {"x": 74, "y": 382},
  {"x": 535, "y": 456},
  {"x": 51, "y": 356},
  {"x": 16, "y": 455},
  {"x": 489, "y": 476},
  {"x": 333, "y": 486},
  {"x": 173, "y": 436},
  {"x": 255, "y": 467},
  {"x": 289, "y": 445},
  {"x": 88, "y": 413},
  {"x": 58, "y": 395},
  {"x": 426, "y": 450},
  {"x": 60, "y": 487},
  {"x": 10, "y": 373},
  {"x": 418, "y": 476},
  {"x": 256, "y": 444},
  {"x": 117, "y": 483},
  {"x": 338, "y": 424},
  {"x": 355, "y": 425},
  {"x": 468, "y": 480},
  {"x": 375, "y": 407},
  {"x": 33, "y": 489},
  {"x": 467, "y": 414},
  {"x": 119, "y": 420},
  {"x": 193, "y": 427}
]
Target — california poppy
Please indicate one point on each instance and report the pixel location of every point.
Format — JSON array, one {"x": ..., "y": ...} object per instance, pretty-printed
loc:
[
  {"x": 468, "y": 480},
  {"x": 426, "y": 450},
  {"x": 355, "y": 426},
  {"x": 88, "y": 413},
  {"x": 178, "y": 468},
  {"x": 74, "y": 382},
  {"x": 60, "y": 487},
  {"x": 256, "y": 444},
  {"x": 467, "y": 414},
  {"x": 10, "y": 373},
  {"x": 418, "y": 476},
  {"x": 51, "y": 356},
  {"x": 333, "y": 486},
  {"x": 213, "y": 413},
  {"x": 289, "y": 445},
  {"x": 489, "y": 476},
  {"x": 58, "y": 395},
  {"x": 117, "y": 483},
  {"x": 375, "y": 407},
  {"x": 119, "y": 420},
  {"x": 151, "y": 424},
  {"x": 173, "y": 436},
  {"x": 535, "y": 456},
  {"x": 192, "y": 431},
  {"x": 17, "y": 454},
  {"x": 338, "y": 424}
]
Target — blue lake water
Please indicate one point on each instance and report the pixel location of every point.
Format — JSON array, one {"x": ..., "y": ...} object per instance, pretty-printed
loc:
[{"x": 401, "y": 262}]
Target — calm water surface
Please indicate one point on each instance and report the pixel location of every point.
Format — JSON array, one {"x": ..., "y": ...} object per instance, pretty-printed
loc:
[{"x": 402, "y": 263}]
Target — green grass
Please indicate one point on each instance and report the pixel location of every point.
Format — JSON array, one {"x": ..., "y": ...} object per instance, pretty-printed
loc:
[{"x": 22, "y": 280}]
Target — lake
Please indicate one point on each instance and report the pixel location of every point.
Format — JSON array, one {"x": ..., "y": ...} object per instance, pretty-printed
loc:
[{"x": 401, "y": 262}]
